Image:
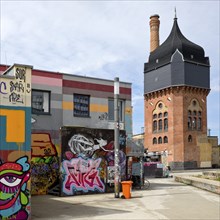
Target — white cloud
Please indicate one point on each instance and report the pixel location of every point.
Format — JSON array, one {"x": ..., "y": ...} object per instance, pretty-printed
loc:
[{"x": 104, "y": 38}]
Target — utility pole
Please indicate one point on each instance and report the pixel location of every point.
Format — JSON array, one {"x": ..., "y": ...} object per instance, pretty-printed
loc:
[{"x": 116, "y": 131}]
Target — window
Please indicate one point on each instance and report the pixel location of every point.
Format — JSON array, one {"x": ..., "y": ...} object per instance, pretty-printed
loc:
[
  {"x": 190, "y": 138},
  {"x": 154, "y": 116},
  {"x": 40, "y": 102},
  {"x": 189, "y": 123},
  {"x": 81, "y": 105},
  {"x": 154, "y": 140},
  {"x": 160, "y": 125},
  {"x": 194, "y": 116},
  {"x": 111, "y": 110},
  {"x": 160, "y": 118},
  {"x": 155, "y": 126},
  {"x": 160, "y": 140},
  {"x": 199, "y": 125},
  {"x": 165, "y": 139},
  {"x": 194, "y": 123},
  {"x": 165, "y": 124}
]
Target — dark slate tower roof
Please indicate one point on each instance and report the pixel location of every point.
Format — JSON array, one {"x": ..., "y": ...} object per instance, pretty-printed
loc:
[{"x": 191, "y": 52}]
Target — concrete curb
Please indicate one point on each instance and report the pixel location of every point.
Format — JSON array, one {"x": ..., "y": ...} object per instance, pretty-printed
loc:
[{"x": 209, "y": 185}]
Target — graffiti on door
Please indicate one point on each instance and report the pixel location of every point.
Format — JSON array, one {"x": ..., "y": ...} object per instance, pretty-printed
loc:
[{"x": 86, "y": 154}]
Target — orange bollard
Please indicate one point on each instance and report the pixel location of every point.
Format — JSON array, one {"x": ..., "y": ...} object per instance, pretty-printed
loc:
[{"x": 126, "y": 189}]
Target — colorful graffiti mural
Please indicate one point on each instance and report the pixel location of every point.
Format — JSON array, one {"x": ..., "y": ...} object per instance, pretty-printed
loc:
[
  {"x": 15, "y": 115},
  {"x": 86, "y": 155},
  {"x": 82, "y": 174},
  {"x": 44, "y": 163},
  {"x": 14, "y": 196}
]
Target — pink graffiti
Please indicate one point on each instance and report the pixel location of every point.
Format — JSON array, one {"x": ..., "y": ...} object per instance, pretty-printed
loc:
[{"x": 82, "y": 175}]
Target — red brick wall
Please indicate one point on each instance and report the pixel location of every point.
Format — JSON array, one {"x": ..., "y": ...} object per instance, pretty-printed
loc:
[{"x": 177, "y": 101}]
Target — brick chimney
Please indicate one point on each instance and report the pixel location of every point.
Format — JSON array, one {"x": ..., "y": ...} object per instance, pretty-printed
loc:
[{"x": 154, "y": 32}]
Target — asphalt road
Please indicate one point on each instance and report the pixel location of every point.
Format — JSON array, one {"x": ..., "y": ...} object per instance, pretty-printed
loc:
[{"x": 166, "y": 199}]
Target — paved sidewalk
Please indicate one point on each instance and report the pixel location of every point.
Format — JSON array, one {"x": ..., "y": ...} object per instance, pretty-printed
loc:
[{"x": 166, "y": 199}]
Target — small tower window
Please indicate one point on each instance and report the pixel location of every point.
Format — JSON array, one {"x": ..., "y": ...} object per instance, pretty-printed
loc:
[
  {"x": 189, "y": 123},
  {"x": 160, "y": 115},
  {"x": 154, "y": 126},
  {"x": 154, "y": 116},
  {"x": 194, "y": 103},
  {"x": 190, "y": 138},
  {"x": 165, "y": 124},
  {"x": 194, "y": 123},
  {"x": 160, "y": 125},
  {"x": 199, "y": 125},
  {"x": 165, "y": 114}
]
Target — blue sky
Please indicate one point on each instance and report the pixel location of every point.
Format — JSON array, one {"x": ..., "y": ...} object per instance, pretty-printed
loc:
[{"x": 106, "y": 39}]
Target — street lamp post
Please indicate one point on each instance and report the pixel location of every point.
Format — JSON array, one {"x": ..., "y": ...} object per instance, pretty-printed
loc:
[{"x": 116, "y": 148}]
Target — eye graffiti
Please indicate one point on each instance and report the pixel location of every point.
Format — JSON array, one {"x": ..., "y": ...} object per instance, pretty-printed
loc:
[{"x": 13, "y": 188}]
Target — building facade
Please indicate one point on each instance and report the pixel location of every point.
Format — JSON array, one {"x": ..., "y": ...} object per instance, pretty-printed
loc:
[
  {"x": 176, "y": 86},
  {"x": 84, "y": 108},
  {"x": 15, "y": 142}
]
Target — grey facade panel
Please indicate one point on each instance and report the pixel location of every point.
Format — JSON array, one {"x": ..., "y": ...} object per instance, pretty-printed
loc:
[
  {"x": 48, "y": 122},
  {"x": 197, "y": 75},
  {"x": 177, "y": 73},
  {"x": 177, "y": 69},
  {"x": 157, "y": 79}
]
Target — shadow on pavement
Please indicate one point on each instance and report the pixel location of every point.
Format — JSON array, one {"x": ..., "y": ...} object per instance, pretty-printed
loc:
[{"x": 51, "y": 207}]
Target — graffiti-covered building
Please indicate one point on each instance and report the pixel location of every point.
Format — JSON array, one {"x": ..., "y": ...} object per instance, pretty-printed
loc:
[
  {"x": 72, "y": 132},
  {"x": 15, "y": 142}
]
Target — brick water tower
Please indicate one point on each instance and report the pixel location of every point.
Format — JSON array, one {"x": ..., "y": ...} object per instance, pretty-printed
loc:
[{"x": 176, "y": 86}]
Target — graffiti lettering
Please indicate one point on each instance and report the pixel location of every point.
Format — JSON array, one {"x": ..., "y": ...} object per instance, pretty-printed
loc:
[
  {"x": 82, "y": 175},
  {"x": 18, "y": 86},
  {"x": 20, "y": 74},
  {"x": 14, "y": 97},
  {"x": 3, "y": 88},
  {"x": 104, "y": 116}
]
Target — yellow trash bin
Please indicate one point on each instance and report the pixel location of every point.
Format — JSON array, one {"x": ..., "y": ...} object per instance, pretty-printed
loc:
[{"x": 126, "y": 189}]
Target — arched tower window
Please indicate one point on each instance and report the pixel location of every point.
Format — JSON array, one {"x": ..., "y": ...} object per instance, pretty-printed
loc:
[
  {"x": 154, "y": 140},
  {"x": 194, "y": 115},
  {"x": 165, "y": 124},
  {"x": 194, "y": 121},
  {"x": 199, "y": 124},
  {"x": 165, "y": 139},
  {"x": 160, "y": 140},
  {"x": 189, "y": 123},
  {"x": 160, "y": 118},
  {"x": 154, "y": 125},
  {"x": 160, "y": 125}
]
